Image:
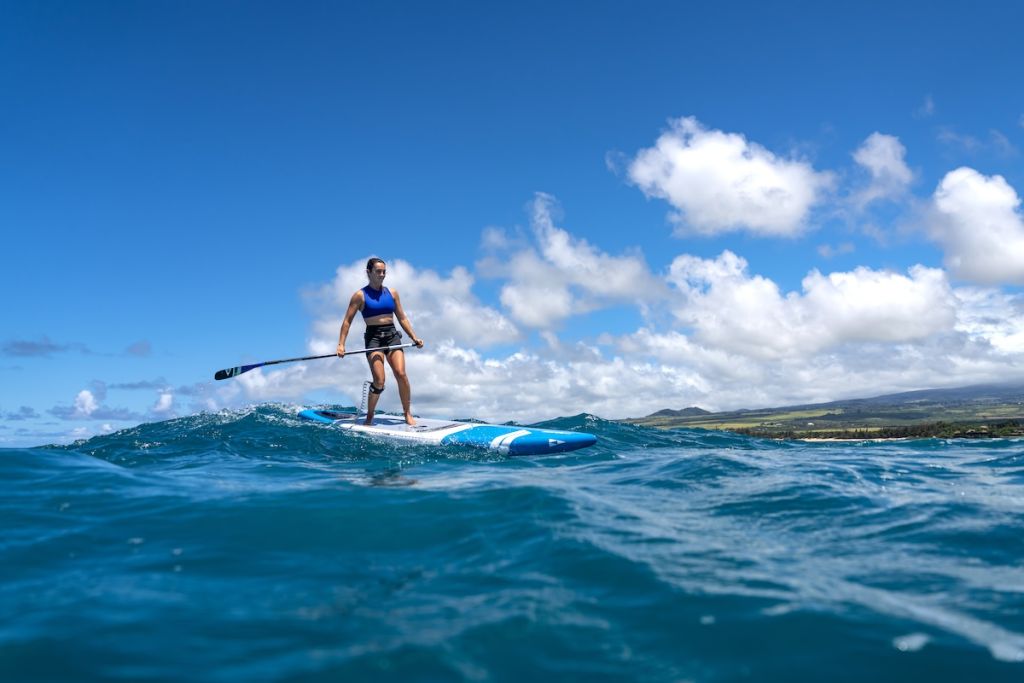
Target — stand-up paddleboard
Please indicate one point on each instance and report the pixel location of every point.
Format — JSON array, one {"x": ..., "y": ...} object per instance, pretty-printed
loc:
[{"x": 501, "y": 438}]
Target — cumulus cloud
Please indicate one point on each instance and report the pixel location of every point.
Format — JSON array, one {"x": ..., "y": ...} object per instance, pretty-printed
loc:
[
  {"x": 992, "y": 319},
  {"x": 164, "y": 404},
  {"x": 883, "y": 157},
  {"x": 536, "y": 297},
  {"x": 741, "y": 342},
  {"x": 85, "y": 404},
  {"x": 529, "y": 386},
  {"x": 850, "y": 371},
  {"x": 977, "y": 221},
  {"x": 595, "y": 273},
  {"x": 720, "y": 182},
  {"x": 747, "y": 314},
  {"x": 730, "y": 338},
  {"x": 650, "y": 369},
  {"x": 564, "y": 275}
]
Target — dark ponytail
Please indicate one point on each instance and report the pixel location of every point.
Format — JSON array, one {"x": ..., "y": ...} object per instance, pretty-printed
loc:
[{"x": 372, "y": 262}]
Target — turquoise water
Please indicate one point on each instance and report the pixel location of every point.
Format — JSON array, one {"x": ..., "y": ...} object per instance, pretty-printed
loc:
[{"x": 253, "y": 546}]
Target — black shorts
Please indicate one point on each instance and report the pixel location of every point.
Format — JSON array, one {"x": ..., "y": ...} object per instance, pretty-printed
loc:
[{"x": 379, "y": 336}]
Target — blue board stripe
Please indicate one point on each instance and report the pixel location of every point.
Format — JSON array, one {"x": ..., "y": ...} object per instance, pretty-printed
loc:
[
  {"x": 541, "y": 441},
  {"x": 479, "y": 436},
  {"x": 316, "y": 416}
]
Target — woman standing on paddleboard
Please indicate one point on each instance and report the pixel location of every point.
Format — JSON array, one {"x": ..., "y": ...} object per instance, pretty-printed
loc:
[{"x": 379, "y": 306}]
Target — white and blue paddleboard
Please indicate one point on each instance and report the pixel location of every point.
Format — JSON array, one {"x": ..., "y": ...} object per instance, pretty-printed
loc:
[{"x": 502, "y": 438}]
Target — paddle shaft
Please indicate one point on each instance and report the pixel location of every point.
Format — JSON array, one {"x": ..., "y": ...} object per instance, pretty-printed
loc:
[{"x": 235, "y": 372}]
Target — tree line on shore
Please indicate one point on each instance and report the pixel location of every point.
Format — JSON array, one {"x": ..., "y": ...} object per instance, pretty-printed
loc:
[{"x": 936, "y": 430}]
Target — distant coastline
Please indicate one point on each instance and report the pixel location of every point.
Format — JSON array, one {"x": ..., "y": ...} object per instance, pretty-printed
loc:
[
  {"x": 940, "y": 430},
  {"x": 976, "y": 412},
  {"x": 937, "y": 430}
]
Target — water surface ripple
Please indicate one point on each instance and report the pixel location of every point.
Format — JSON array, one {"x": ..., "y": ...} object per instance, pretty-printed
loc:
[{"x": 255, "y": 546}]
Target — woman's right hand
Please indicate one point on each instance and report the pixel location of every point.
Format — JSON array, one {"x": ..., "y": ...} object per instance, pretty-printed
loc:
[{"x": 341, "y": 350}]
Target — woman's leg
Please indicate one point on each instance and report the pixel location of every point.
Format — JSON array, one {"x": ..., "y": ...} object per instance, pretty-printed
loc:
[
  {"x": 376, "y": 361},
  {"x": 397, "y": 361}
]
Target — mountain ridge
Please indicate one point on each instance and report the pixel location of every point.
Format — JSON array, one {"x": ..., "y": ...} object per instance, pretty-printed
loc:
[{"x": 974, "y": 410}]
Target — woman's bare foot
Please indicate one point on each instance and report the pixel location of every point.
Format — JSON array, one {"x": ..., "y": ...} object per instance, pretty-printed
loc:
[{"x": 410, "y": 420}]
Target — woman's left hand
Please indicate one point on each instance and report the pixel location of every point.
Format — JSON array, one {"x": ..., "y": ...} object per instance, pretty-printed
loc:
[{"x": 418, "y": 342}]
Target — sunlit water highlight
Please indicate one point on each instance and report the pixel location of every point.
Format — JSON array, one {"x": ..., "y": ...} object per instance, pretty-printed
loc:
[{"x": 256, "y": 546}]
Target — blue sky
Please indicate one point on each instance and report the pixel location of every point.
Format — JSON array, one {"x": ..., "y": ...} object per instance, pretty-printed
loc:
[{"x": 613, "y": 209}]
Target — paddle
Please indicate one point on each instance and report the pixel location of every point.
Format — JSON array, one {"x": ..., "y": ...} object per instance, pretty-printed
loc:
[{"x": 235, "y": 372}]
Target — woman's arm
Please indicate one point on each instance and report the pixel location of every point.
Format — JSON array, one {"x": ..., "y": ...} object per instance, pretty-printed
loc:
[
  {"x": 355, "y": 304},
  {"x": 403, "y": 320}
]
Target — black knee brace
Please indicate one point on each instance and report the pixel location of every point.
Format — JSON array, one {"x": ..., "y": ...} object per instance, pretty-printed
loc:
[{"x": 374, "y": 389}]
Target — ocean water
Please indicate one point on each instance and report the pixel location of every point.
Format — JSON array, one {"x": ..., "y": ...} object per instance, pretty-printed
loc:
[{"x": 253, "y": 546}]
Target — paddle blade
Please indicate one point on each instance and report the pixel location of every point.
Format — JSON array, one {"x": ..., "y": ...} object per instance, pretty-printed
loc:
[{"x": 234, "y": 372}]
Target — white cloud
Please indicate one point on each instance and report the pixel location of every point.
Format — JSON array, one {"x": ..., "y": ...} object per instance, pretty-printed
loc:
[
  {"x": 720, "y": 182},
  {"x": 883, "y": 157},
  {"x": 738, "y": 340},
  {"x": 453, "y": 381},
  {"x": 537, "y": 296},
  {"x": 736, "y": 380},
  {"x": 530, "y": 386},
  {"x": 164, "y": 403},
  {"x": 728, "y": 309},
  {"x": 977, "y": 221},
  {"x": 871, "y": 305},
  {"x": 564, "y": 275},
  {"x": 992, "y": 318},
  {"x": 650, "y": 370},
  {"x": 85, "y": 404},
  {"x": 594, "y": 272},
  {"x": 745, "y": 344}
]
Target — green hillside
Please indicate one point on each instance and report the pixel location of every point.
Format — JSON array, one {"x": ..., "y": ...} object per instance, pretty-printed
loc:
[{"x": 978, "y": 411}]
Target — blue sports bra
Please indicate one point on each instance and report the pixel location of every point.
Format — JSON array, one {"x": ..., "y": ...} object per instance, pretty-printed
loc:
[{"x": 377, "y": 302}]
